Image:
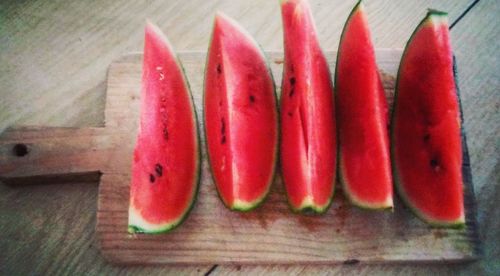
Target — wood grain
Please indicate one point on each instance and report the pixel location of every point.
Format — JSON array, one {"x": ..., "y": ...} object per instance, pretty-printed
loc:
[
  {"x": 54, "y": 57},
  {"x": 212, "y": 234},
  {"x": 55, "y": 54},
  {"x": 478, "y": 61},
  {"x": 270, "y": 234},
  {"x": 31, "y": 154}
]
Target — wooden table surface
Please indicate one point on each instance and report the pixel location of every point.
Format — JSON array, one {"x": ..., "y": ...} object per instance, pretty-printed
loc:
[{"x": 54, "y": 56}]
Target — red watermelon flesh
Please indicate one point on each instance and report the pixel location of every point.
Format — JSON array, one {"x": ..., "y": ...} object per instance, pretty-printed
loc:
[
  {"x": 426, "y": 143},
  {"x": 165, "y": 168},
  {"x": 364, "y": 159},
  {"x": 308, "y": 146},
  {"x": 241, "y": 119}
]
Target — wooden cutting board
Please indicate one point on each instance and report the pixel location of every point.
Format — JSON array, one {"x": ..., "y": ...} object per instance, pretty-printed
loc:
[{"x": 212, "y": 234}]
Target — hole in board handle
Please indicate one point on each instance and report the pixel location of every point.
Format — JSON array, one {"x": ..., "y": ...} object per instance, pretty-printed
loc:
[{"x": 20, "y": 150}]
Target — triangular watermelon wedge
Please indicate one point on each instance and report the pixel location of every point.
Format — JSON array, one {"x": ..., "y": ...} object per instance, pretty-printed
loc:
[
  {"x": 166, "y": 164},
  {"x": 241, "y": 117},
  {"x": 426, "y": 142},
  {"x": 308, "y": 144},
  {"x": 364, "y": 158}
]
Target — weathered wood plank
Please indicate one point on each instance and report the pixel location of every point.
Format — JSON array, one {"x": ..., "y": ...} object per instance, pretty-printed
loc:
[
  {"x": 43, "y": 154},
  {"x": 55, "y": 53},
  {"x": 476, "y": 44},
  {"x": 476, "y": 47},
  {"x": 270, "y": 234},
  {"x": 35, "y": 90}
]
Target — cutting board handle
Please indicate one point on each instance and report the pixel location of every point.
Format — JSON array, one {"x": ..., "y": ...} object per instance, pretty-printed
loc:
[{"x": 31, "y": 155}]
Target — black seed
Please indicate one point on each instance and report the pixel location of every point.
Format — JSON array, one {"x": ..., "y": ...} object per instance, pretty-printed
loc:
[
  {"x": 252, "y": 98},
  {"x": 159, "y": 169},
  {"x": 427, "y": 137},
  {"x": 292, "y": 81},
  {"x": 434, "y": 163},
  {"x": 219, "y": 70},
  {"x": 151, "y": 178},
  {"x": 291, "y": 93},
  {"x": 165, "y": 133},
  {"x": 290, "y": 114},
  {"x": 223, "y": 139},
  {"x": 223, "y": 126}
]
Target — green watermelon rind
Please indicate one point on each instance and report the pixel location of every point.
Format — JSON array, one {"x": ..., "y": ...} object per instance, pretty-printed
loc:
[
  {"x": 247, "y": 206},
  {"x": 350, "y": 196},
  {"x": 259, "y": 201},
  {"x": 362, "y": 204},
  {"x": 353, "y": 11},
  {"x": 135, "y": 229},
  {"x": 311, "y": 208},
  {"x": 432, "y": 16}
]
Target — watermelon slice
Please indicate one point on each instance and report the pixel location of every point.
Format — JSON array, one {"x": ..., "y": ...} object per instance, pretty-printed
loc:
[
  {"x": 166, "y": 165},
  {"x": 241, "y": 117},
  {"x": 308, "y": 147},
  {"x": 364, "y": 159},
  {"x": 426, "y": 143}
]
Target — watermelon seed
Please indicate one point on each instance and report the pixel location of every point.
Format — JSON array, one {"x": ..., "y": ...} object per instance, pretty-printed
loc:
[
  {"x": 223, "y": 131},
  {"x": 219, "y": 70},
  {"x": 151, "y": 178},
  {"x": 435, "y": 164},
  {"x": 252, "y": 98},
  {"x": 427, "y": 137},
  {"x": 165, "y": 133},
  {"x": 292, "y": 83},
  {"x": 223, "y": 126},
  {"x": 159, "y": 169}
]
